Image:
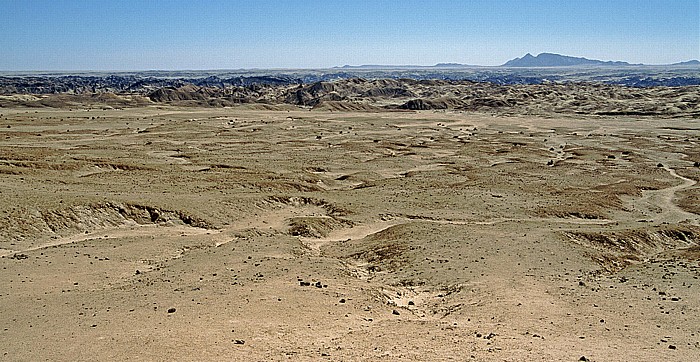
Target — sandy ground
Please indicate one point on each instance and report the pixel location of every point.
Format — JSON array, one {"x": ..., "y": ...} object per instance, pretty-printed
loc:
[{"x": 163, "y": 233}]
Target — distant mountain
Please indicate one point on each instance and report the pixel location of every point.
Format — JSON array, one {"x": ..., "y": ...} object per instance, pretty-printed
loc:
[
  {"x": 368, "y": 66},
  {"x": 556, "y": 60},
  {"x": 690, "y": 62},
  {"x": 450, "y": 65},
  {"x": 542, "y": 60},
  {"x": 377, "y": 66}
]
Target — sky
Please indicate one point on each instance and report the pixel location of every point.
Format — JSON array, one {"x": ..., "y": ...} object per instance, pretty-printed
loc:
[{"x": 199, "y": 35}]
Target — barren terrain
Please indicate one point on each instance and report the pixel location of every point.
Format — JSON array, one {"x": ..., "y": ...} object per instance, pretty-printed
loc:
[{"x": 158, "y": 232}]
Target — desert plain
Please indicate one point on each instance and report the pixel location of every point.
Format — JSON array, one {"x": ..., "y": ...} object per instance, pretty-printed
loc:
[{"x": 162, "y": 232}]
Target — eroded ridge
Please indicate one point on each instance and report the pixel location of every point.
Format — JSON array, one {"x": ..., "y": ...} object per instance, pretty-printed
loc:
[{"x": 38, "y": 229}]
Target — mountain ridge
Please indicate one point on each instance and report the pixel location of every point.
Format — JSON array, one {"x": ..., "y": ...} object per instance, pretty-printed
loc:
[
  {"x": 542, "y": 60},
  {"x": 558, "y": 60},
  {"x": 689, "y": 62}
]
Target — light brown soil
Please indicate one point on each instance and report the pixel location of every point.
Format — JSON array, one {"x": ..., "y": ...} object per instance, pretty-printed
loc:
[{"x": 166, "y": 233}]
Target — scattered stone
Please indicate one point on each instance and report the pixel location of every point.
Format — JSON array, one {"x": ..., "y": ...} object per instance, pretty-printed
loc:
[
  {"x": 238, "y": 341},
  {"x": 659, "y": 165},
  {"x": 583, "y": 359},
  {"x": 395, "y": 312},
  {"x": 410, "y": 302},
  {"x": 342, "y": 300},
  {"x": 670, "y": 346},
  {"x": 171, "y": 310}
]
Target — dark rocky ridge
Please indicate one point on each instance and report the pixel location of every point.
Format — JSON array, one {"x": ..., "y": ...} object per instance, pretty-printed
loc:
[
  {"x": 76, "y": 84},
  {"x": 142, "y": 83},
  {"x": 398, "y": 94}
]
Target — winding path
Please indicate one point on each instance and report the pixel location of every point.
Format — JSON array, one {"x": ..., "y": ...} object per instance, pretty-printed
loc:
[{"x": 659, "y": 205}]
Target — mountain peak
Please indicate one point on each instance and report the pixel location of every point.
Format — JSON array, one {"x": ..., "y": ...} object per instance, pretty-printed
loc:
[
  {"x": 689, "y": 62},
  {"x": 557, "y": 60}
]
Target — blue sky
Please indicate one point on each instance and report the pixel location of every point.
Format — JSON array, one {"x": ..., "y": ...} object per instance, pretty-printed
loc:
[{"x": 186, "y": 34}]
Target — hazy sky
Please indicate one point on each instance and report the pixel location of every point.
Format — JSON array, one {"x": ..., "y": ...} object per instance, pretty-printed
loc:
[{"x": 187, "y": 34}]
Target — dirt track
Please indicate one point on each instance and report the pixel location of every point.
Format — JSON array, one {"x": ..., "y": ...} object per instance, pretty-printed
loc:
[{"x": 303, "y": 234}]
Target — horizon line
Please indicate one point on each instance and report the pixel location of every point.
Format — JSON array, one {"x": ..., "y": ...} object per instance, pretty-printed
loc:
[{"x": 352, "y": 67}]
